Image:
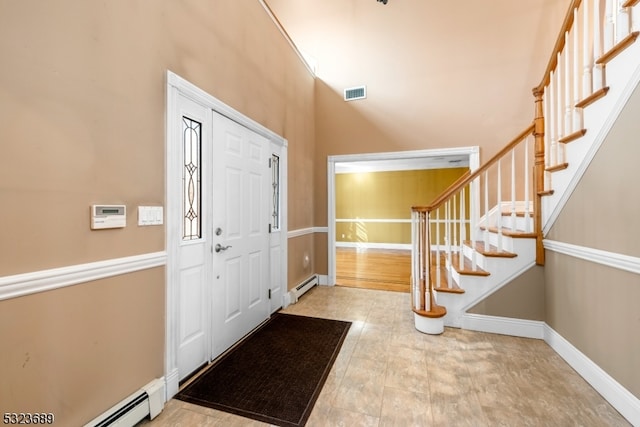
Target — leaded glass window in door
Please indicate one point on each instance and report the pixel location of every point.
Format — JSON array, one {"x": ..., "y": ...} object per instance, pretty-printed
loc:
[
  {"x": 191, "y": 179},
  {"x": 275, "y": 184}
]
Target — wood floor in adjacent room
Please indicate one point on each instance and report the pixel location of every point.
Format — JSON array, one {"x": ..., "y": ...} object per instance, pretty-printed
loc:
[{"x": 382, "y": 269}]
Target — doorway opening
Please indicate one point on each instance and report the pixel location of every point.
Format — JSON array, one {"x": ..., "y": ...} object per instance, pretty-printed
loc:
[{"x": 369, "y": 201}]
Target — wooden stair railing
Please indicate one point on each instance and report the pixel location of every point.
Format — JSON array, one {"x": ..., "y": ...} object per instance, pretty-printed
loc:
[
  {"x": 448, "y": 230},
  {"x": 592, "y": 34},
  {"x": 442, "y": 229}
]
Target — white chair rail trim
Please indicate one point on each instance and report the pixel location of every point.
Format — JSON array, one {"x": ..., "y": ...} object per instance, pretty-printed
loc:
[
  {"x": 46, "y": 280},
  {"x": 610, "y": 259},
  {"x": 304, "y": 231}
]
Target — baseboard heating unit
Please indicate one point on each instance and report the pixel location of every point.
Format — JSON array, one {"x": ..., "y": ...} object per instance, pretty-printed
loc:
[
  {"x": 148, "y": 401},
  {"x": 303, "y": 287}
]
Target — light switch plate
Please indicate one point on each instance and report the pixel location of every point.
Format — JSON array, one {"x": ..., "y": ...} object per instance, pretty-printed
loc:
[{"x": 150, "y": 215}]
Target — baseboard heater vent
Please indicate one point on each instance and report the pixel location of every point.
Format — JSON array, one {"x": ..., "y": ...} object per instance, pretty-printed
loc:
[
  {"x": 303, "y": 287},
  {"x": 147, "y": 401}
]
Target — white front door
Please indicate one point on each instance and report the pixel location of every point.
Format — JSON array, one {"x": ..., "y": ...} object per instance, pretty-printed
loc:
[
  {"x": 241, "y": 218},
  {"x": 224, "y": 270},
  {"x": 219, "y": 191}
]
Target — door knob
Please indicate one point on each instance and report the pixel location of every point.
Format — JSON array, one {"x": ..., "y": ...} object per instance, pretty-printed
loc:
[{"x": 220, "y": 248}]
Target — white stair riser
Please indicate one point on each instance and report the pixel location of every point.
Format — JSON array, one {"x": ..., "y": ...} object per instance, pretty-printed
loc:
[
  {"x": 478, "y": 287},
  {"x": 519, "y": 223}
]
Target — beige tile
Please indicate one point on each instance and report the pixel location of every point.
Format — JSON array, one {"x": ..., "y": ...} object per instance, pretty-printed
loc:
[
  {"x": 343, "y": 418},
  {"x": 401, "y": 408},
  {"x": 389, "y": 374},
  {"x": 362, "y": 386},
  {"x": 407, "y": 370}
]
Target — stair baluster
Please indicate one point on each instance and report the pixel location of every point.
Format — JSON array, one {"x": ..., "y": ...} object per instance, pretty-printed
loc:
[{"x": 593, "y": 33}]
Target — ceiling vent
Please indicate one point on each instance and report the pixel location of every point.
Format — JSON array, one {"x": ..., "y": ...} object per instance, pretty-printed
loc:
[{"x": 353, "y": 93}]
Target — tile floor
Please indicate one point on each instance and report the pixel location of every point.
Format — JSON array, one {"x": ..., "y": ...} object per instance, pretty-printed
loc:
[{"x": 389, "y": 374}]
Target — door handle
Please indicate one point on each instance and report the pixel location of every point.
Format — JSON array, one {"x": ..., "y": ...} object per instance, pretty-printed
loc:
[{"x": 220, "y": 248}]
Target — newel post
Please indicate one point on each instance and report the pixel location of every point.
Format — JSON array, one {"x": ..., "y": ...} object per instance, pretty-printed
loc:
[{"x": 539, "y": 172}]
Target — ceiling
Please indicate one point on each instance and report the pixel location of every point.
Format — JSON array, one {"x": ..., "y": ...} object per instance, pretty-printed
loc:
[{"x": 439, "y": 74}]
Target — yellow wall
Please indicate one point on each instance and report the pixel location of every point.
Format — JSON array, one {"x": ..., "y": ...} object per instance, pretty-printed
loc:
[{"x": 385, "y": 195}]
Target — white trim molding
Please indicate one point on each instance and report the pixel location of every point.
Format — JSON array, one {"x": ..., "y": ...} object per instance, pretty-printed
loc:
[
  {"x": 503, "y": 325},
  {"x": 305, "y": 231},
  {"x": 287, "y": 37},
  {"x": 370, "y": 245},
  {"x": 46, "y": 280},
  {"x": 377, "y": 220},
  {"x": 610, "y": 259},
  {"x": 619, "y": 397}
]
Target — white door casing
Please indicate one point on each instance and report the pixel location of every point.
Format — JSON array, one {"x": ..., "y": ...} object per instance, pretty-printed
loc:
[{"x": 199, "y": 264}]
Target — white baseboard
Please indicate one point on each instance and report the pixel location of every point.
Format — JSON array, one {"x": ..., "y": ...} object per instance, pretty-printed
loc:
[
  {"x": 619, "y": 397},
  {"x": 172, "y": 383},
  {"x": 323, "y": 280},
  {"x": 503, "y": 325}
]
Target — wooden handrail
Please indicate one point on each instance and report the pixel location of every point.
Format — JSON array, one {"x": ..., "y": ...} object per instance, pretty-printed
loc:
[
  {"x": 559, "y": 46},
  {"x": 470, "y": 176}
]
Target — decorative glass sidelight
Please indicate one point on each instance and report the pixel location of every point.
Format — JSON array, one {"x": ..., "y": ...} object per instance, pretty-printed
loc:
[
  {"x": 191, "y": 183},
  {"x": 275, "y": 184}
]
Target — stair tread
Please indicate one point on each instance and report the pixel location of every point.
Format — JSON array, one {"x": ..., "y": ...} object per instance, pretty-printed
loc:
[
  {"x": 511, "y": 233},
  {"x": 435, "y": 312},
  {"x": 519, "y": 213},
  {"x": 490, "y": 250},
  {"x": 573, "y": 136},
  {"x": 443, "y": 286},
  {"x": 558, "y": 167},
  {"x": 593, "y": 97},
  {"x": 618, "y": 48},
  {"x": 468, "y": 267}
]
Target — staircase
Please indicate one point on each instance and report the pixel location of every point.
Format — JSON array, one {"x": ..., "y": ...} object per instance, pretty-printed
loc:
[{"x": 488, "y": 227}]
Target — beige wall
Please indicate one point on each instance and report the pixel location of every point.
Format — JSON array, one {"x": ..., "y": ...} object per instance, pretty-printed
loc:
[
  {"x": 82, "y": 121},
  {"x": 522, "y": 298},
  {"x": 76, "y": 351},
  {"x": 82, "y": 107},
  {"x": 594, "y": 306}
]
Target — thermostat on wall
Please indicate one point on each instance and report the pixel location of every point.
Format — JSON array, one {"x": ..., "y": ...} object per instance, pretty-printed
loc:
[{"x": 108, "y": 216}]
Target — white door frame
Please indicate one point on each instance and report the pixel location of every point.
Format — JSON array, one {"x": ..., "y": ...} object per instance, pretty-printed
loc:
[
  {"x": 474, "y": 163},
  {"x": 176, "y": 86}
]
